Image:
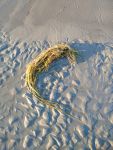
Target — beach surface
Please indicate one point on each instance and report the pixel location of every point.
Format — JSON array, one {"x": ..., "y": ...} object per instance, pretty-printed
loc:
[
  {"x": 84, "y": 90},
  {"x": 57, "y": 20}
]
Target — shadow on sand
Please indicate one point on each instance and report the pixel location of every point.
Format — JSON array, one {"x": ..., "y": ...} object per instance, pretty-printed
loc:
[{"x": 86, "y": 49}]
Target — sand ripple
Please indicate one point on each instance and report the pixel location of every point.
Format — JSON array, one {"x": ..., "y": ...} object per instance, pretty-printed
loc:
[{"x": 84, "y": 90}]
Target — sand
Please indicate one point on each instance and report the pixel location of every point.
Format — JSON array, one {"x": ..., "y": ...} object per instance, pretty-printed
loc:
[
  {"x": 57, "y": 20},
  {"x": 85, "y": 90}
]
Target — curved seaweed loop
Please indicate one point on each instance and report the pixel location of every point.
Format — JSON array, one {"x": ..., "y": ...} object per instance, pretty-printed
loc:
[{"x": 42, "y": 63}]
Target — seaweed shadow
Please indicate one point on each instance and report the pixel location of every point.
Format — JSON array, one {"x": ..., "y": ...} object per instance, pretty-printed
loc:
[{"x": 86, "y": 49}]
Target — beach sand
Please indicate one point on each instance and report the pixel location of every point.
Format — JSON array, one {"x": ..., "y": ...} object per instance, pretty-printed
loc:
[
  {"x": 56, "y": 20},
  {"x": 85, "y": 90}
]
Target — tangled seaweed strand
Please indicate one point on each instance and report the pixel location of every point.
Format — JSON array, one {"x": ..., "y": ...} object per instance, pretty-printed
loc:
[{"x": 42, "y": 63}]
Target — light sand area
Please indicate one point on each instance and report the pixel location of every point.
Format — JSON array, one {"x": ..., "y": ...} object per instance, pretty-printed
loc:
[
  {"x": 84, "y": 90},
  {"x": 56, "y": 20}
]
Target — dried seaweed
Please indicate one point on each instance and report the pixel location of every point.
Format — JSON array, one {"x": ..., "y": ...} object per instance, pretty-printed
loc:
[{"x": 42, "y": 63}]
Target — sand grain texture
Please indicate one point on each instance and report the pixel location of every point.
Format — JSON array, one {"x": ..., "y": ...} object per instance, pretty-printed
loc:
[
  {"x": 56, "y": 20},
  {"x": 84, "y": 90},
  {"x": 25, "y": 123}
]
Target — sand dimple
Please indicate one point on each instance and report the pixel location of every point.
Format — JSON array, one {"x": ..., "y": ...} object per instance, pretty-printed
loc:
[
  {"x": 27, "y": 143},
  {"x": 83, "y": 90}
]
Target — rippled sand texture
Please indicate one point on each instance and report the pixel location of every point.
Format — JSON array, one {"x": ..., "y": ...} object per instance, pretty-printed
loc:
[{"x": 84, "y": 90}]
